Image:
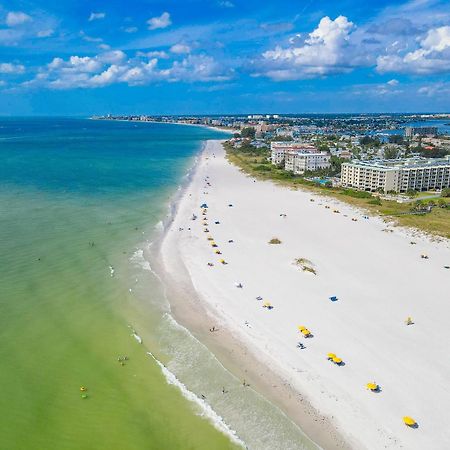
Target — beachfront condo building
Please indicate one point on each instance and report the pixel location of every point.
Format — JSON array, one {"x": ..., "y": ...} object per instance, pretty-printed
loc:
[
  {"x": 300, "y": 162},
  {"x": 298, "y": 157},
  {"x": 397, "y": 175},
  {"x": 279, "y": 150}
]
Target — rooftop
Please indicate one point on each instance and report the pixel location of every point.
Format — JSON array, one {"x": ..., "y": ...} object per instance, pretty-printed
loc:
[{"x": 403, "y": 163}]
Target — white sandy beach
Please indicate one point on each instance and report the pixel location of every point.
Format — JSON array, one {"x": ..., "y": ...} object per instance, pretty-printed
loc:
[{"x": 377, "y": 275}]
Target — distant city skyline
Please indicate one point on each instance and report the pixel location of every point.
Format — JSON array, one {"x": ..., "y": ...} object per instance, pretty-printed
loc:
[{"x": 224, "y": 57}]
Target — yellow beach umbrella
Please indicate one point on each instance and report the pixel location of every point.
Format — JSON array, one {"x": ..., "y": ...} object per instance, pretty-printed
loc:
[
  {"x": 372, "y": 386},
  {"x": 267, "y": 304},
  {"x": 409, "y": 421},
  {"x": 301, "y": 328},
  {"x": 337, "y": 360},
  {"x": 331, "y": 355},
  {"x": 222, "y": 261},
  {"x": 306, "y": 332}
]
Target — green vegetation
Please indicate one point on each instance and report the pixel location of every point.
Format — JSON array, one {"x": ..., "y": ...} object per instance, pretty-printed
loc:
[
  {"x": 356, "y": 194},
  {"x": 434, "y": 152},
  {"x": 274, "y": 241},
  {"x": 411, "y": 193},
  {"x": 263, "y": 168},
  {"x": 248, "y": 132},
  {"x": 396, "y": 139},
  {"x": 391, "y": 152},
  {"x": 446, "y": 192},
  {"x": 305, "y": 265},
  {"x": 370, "y": 141},
  {"x": 437, "y": 221}
]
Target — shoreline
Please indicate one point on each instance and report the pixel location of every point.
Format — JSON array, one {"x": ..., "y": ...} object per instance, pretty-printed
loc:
[
  {"x": 190, "y": 311},
  {"x": 211, "y": 127},
  {"x": 238, "y": 354}
]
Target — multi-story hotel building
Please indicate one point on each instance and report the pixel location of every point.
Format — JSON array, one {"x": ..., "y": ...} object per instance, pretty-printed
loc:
[
  {"x": 298, "y": 157},
  {"x": 300, "y": 161},
  {"x": 279, "y": 149},
  {"x": 399, "y": 175}
]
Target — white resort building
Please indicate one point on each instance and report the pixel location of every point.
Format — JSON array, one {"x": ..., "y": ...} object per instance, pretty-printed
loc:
[
  {"x": 398, "y": 175},
  {"x": 298, "y": 157}
]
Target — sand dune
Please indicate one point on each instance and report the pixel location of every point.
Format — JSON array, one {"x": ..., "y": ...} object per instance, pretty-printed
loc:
[{"x": 379, "y": 280}]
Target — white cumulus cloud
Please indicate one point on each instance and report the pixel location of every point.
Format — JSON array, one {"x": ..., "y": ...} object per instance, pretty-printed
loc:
[
  {"x": 393, "y": 82},
  {"x": 431, "y": 56},
  {"x": 226, "y": 4},
  {"x": 116, "y": 67},
  {"x": 130, "y": 29},
  {"x": 15, "y": 18},
  {"x": 96, "y": 16},
  {"x": 10, "y": 68},
  {"x": 45, "y": 33},
  {"x": 163, "y": 21},
  {"x": 180, "y": 49},
  {"x": 326, "y": 50}
]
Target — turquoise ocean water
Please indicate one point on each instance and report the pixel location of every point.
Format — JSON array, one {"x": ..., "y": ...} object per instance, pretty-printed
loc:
[{"x": 79, "y": 202}]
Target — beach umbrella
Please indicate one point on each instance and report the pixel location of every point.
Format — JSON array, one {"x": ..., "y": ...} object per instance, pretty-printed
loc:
[
  {"x": 331, "y": 355},
  {"x": 306, "y": 332},
  {"x": 336, "y": 360},
  {"x": 301, "y": 328},
  {"x": 372, "y": 386},
  {"x": 204, "y": 205},
  {"x": 267, "y": 305},
  {"x": 409, "y": 421},
  {"x": 222, "y": 261}
]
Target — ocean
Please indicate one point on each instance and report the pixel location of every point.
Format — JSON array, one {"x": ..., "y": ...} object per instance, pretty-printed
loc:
[{"x": 80, "y": 202}]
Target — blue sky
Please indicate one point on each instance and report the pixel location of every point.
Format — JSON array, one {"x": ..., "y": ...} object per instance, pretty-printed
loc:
[{"x": 223, "y": 56}]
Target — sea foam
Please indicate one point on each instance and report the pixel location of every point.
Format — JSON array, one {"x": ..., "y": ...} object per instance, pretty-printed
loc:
[{"x": 206, "y": 410}]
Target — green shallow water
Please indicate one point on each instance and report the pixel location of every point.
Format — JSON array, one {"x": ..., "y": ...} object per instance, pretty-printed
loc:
[
  {"x": 68, "y": 308},
  {"x": 64, "y": 319}
]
